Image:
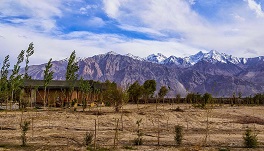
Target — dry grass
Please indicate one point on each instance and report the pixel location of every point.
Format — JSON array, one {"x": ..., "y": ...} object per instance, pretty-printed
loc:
[{"x": 59, "y": 129}]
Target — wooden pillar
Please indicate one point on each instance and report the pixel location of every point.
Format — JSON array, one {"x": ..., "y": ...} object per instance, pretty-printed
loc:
[{"x": 33, "y": 97}]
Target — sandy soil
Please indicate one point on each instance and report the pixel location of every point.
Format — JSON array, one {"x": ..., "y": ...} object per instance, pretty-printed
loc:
[{"x": 60, "y": 129}]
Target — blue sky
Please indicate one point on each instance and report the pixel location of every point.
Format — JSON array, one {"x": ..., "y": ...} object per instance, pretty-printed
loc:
[{"x": 139, "y": 27}]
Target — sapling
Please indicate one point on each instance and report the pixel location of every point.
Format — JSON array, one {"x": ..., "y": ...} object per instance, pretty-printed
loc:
[
  {"x": 250, "y": 140},
  {"x": 178, "y": 135},
  {"x": 88, "y": 139},
  {"x": 138, "y": 140},
  {"x": 24, "y": 126},
  {"x": 116, "y": 134}
]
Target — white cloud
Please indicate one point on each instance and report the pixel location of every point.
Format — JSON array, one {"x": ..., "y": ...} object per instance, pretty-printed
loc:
[
  {"x": 176, "y": 19},
  {"x": 177, "y": 28},
  {"x": 95, "y": 22},
  {"x": 142, "y": 30},
  {"x": 84, "y": 10},
  {"x": 111, "y": 7},
  {"x": 38, "y": 15},
  {"x": 256, "y": 7},
  {"x": 85, "y": 43},
  {"x": 238, "y": 18},
  {"x": 192, "y": 2}
]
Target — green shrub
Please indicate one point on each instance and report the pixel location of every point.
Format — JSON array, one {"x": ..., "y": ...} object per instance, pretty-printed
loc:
[
  {"x": 129, "y": 148},
  {"x": 88, "y": 138},
  {"x": 178, "y": 135},
  {"x": 107, "y": 103},
  {"x": 138, "y": 140},
  {"x": 74, "y": 101},
  {"x": 250, "y": 140},
  {"x": 224, "y": 149}
]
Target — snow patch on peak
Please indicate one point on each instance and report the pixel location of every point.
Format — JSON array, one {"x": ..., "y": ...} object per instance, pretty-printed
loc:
[
  {"x": 111, "y": 53},
  {"x": 173, "y": 60},
  {"x": 214, "y": 56},
  {"x": 108, "y": 53},
  {"x": 193, "y": 59},
  {"x": 156, "y": 58},
  {"x": 134, "y": 57},
  {"x": 81, "y": 58}
]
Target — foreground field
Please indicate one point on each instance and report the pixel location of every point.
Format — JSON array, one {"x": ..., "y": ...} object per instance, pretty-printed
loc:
[{"x": 60, "y": 129}]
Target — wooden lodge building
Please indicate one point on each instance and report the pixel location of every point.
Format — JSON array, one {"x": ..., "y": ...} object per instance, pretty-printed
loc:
[{"x": 56, "y": 91}]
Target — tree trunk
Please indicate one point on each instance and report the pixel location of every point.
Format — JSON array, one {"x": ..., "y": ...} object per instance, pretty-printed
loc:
[
  {"x": 12, "y": 98},
  {"x": 44, "y": 100},
  {"x": 116, "y": 134}
]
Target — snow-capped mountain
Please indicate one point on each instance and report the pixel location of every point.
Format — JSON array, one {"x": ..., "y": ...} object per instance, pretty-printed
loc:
[
  {"x": 156, "y": 58},
  {"x": 174, "y": 60},
  {"x": 135, "y": 57},
  {"x": 212, "y": 57},
  {"x": 193, "y": 59}
]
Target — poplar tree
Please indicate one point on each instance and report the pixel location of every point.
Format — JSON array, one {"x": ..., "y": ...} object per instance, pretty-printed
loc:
[
  {"x": 149, "y": 87},
  {"x": 71, "y": 75},
  {"x": 85, "y": 88},
  {"x": 29, "y": 52},
  {"x": 135, "y": 91},
  {"x": 3, "y": 80},
  {"x": 162, "y": 92},
  {"x": 48, "y": 76},
  {"x": 16, "y": 78}
]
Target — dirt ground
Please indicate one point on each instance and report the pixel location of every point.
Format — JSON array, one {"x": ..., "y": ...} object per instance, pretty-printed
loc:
[{"x": 61, "y": 129}]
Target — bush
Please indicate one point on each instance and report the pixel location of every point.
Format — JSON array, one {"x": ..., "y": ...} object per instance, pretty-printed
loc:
[
  {"x": 138, "y": 140},
  {"x": 74, "y": 101},
  {"x": 178, "y": 135},
  {"x": 178, "y": 109},
  {"x": 250, "y": 140},
  {"x": 129, "y": 148},
  {"x": 224, "y": 149},
  {"x": 108, "y": 104},
  {"x": 24, "y": 128},
  {"x": 88, "y": 138}
]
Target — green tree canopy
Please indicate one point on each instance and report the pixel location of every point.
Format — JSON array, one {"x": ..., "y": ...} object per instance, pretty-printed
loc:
[
  {"x": 163, "y": 91},
  {"x": 207, "y": 97},
  {"x": 29, "y": 52},
  {"x": 16, "y": 78},
  {"x": 72, "y": 68},
  {"x": 48, "y": 76},
  {"x": 135, "y": 91},
  {"x": 149, "y": 87},
  {"x": 71, "y": 75},
  {"x": 114, "y": 95},
  {"x": 3, "y": 79}
]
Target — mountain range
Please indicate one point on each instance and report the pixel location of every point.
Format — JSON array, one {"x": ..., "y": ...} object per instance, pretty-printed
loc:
[{"x": 213, "y": 72}]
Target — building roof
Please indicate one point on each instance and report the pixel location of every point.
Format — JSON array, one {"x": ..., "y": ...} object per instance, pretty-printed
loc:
[
  {"x": 52, "y": 84},
  {"x": 58, "y": 84}
]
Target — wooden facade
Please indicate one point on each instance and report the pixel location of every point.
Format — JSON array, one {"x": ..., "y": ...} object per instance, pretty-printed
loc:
[{"x": 57, "y": 92}]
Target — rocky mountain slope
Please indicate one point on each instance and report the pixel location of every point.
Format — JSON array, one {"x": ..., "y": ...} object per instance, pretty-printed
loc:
[{"x": 212, "y": 72}]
